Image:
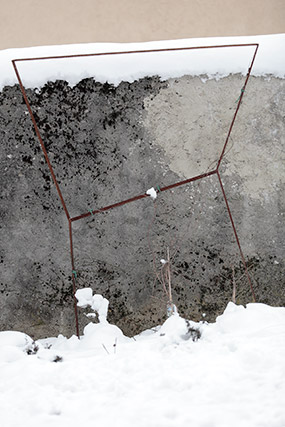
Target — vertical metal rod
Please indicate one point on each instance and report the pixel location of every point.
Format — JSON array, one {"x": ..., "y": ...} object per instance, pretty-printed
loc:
[
  {"x": 236, "y": 236},
  {"x": 73, "y": 277}
]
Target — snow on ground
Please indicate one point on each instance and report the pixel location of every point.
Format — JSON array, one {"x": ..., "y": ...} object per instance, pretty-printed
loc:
[
  {"x": 234, "y": 375},
  {"x": 214, "y": 63}
]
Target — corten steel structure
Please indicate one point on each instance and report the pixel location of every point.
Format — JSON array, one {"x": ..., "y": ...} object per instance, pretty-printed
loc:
[{"x": 215, "y": 171}]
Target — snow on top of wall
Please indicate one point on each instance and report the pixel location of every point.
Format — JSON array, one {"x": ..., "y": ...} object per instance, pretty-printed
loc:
[{"x": 214, "y": 63}]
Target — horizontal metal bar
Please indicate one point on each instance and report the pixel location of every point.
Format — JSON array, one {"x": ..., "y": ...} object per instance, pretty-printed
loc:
[{"x": 174, "y": 49}]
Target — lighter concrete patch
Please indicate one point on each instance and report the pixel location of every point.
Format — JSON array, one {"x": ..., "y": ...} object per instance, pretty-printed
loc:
[{"x": 190, "y": 120}]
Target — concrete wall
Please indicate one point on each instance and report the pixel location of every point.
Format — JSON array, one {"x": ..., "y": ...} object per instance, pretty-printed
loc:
[
  {"x": 110, "y": 143},
  {"x": 38, "y": 22}
]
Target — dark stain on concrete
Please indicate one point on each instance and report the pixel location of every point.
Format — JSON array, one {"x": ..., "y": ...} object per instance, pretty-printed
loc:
[{"x": 101, "y": 154}]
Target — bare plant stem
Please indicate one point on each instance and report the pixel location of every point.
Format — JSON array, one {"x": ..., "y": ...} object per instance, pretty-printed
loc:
[
  {"x": 234, "y": 286},
  {"x": 105, "y": 348},
  {"x": 169, "y": 278}
]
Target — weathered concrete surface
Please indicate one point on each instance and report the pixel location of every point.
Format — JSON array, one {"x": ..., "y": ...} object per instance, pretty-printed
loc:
[{"x": 107, "y": 144}]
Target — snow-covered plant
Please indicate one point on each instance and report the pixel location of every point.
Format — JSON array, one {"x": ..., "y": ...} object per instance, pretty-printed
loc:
[
  {"x": 102, "y": 334},
  {"x": 97, "y": 302},
  {"x": 192, "y": 332},
  {"x": 20, "y": 340}
]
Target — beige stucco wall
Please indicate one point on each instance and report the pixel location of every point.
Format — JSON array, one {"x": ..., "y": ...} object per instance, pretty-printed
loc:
[{"x": 41, "y": 22}]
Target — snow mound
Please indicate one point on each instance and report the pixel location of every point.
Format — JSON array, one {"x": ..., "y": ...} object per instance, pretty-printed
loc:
[
  {"x": 98, "y": 335},
  {"x": 255, "y": 318},
  {"x": 174, "y": 328},
  {"x": 15, "y": 345}
]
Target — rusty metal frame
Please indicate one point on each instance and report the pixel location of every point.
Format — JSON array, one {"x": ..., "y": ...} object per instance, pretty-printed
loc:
[{"x": 215, "y": 171}]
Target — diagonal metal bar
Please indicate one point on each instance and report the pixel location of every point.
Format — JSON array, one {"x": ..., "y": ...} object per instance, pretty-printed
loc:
[
  {"x": 237, "y": 108},
  {"x": 41, "y": 140},
  {"x": 236, "y": 236}
]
